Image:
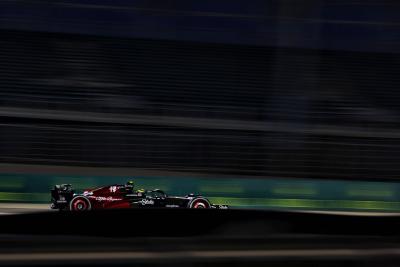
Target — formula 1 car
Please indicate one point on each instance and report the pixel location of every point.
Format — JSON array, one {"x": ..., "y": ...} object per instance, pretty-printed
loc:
[{"x": 63, "y": 197}]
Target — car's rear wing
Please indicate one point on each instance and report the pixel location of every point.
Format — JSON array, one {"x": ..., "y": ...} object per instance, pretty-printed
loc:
[{"x": 61, "y": 195}]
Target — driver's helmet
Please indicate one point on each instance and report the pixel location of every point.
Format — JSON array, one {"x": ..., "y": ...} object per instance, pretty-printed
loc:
[{"x": 129, "y": 185}]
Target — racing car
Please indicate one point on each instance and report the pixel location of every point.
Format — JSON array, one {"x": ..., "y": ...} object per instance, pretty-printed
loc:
[{"x": 63, "y": 197}]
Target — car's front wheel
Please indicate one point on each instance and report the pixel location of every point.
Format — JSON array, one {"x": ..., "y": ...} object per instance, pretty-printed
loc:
[{"x": 200, "y": 204}]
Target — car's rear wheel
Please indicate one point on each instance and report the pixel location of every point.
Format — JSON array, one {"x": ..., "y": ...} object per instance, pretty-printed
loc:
[
  {"x": 200, "y": 204},
  {"x": 80, "y": 203}
]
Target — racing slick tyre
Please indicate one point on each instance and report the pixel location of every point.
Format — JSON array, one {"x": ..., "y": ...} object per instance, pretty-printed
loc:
[
  {"x": 199, "y": 203},
  {"x": 80, "y": 203}
]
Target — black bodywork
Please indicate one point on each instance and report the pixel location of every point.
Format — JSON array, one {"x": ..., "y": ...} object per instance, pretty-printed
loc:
[{"x": 157, "y": 198}]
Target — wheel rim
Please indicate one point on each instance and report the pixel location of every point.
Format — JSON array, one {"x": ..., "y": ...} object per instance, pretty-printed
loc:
[
  {"x": 79, "y": 205},
  {"x": 199, "y": 205}
]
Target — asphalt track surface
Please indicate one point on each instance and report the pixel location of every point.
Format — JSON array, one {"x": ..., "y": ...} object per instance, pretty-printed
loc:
[
  {"x": 18, "y": 208},
  {"x": 196, "y": 251},
  {"x": 195, "y": 238}
]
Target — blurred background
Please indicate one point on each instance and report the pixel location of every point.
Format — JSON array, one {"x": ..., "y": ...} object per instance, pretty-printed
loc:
[{"x": 254, "y": 103}]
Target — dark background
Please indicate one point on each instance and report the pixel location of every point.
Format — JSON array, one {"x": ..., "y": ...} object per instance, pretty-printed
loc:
[{"x": 255, "y": 88}]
